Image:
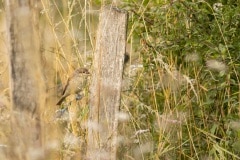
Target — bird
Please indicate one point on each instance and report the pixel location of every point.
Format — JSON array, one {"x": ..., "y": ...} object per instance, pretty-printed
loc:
[{"x": 75, "y": 83}]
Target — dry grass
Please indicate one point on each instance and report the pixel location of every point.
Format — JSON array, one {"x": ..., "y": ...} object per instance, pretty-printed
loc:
[{"x": 165, "y": 110}]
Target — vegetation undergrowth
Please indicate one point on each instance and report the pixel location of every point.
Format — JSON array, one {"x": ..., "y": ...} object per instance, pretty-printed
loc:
[
  {"x": 181, "y": 88},
  {"x": 187, "y": 93}
]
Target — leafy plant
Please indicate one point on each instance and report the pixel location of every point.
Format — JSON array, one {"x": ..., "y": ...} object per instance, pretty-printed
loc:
[{"x": 190, "y": 54}]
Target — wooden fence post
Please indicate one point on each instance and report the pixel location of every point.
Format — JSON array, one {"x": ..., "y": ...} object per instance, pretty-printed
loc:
[
  {"x": 26, "y": 81},
  {"x": 106, "y": 82}
]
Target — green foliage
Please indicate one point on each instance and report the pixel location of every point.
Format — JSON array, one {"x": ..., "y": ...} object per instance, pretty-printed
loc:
[{"x": 194, "y": 46}]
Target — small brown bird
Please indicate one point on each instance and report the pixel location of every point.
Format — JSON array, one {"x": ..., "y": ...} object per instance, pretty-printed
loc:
[{"x": 75, "y": 83}]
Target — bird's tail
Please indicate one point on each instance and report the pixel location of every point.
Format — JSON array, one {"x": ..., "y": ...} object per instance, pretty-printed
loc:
[{"x": 60, "y": 100}]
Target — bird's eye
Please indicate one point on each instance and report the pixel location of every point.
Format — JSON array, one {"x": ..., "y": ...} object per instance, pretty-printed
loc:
[{"x": 86, "y": 72}]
